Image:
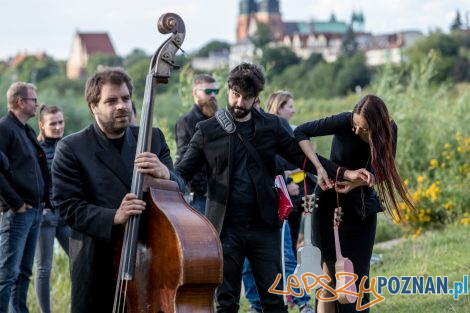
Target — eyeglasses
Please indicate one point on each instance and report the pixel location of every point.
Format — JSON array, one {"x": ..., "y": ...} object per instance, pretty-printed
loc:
[
  {"x": 35, "y": 100},
  {"x": 209, "y": 91}
]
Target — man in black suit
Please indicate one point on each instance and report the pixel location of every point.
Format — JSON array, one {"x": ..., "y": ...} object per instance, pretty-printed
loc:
[
  {"x": 242, "y": 203},
  {"x": 205, "y": 104},
  {"x": 92, "y": 175}
]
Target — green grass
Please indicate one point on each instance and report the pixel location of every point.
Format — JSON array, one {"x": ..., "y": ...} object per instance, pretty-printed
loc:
[{"x": 440, "y": 253}]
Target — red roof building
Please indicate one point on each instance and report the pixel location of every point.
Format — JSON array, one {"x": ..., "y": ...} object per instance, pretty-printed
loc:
[{"x": 85, "y": 45}]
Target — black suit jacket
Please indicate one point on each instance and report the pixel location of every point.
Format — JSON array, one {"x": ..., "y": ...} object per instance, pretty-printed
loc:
[
  {"x": 90, "y": 179},
  {"x": 212, "y": 147}
]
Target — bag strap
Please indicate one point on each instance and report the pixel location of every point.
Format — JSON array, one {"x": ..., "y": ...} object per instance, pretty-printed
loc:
[
  {"x": 226, "y": 122},
  {"x": 253, "y": 153}
]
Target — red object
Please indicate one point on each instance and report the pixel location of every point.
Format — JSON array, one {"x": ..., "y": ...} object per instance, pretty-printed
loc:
[{"x": 284, "y": 203}]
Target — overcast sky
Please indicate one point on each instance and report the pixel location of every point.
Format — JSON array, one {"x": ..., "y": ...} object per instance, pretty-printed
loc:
[{"x": 49, "y": 25}]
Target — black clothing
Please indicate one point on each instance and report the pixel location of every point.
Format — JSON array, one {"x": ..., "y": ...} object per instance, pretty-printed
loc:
[
  {"x": 117, "y": 143},
  {"x": 357, "y": 231},
  {"x": 184, "y": 130},
  {"x": 48, "y": 146},
  {"x": 261, "y": 245},
  {"x": 295, "y": 216},
  {"x": 242, "y": 205},
  {"x": 26, "y": 179},
  {"x": 90, "y": 180},
  {"x": 213, "y": 147}
]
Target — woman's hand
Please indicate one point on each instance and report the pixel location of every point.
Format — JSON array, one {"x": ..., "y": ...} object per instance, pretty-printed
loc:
[
  {"x": 346, "y": 186},
  {"x": 362, "y": 176},
  {"x": 322, "y": 178}
]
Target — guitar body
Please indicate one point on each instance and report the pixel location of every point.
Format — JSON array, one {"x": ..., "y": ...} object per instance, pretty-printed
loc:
[
  {"x": 308, "y": 256},
  {"x": 345, "y": 266},
  {"x": 308, "y": 261}
]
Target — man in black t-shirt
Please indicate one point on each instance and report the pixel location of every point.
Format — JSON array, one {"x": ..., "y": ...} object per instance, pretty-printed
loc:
[{"x": 242, "y": 203}]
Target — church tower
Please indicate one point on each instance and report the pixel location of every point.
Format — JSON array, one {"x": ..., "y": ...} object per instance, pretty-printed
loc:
[
  {"x": 269, "y": 13},
  {"x": 265, "y": 11},
  {"x": 357, "y": 22},
  {"x": 247, "y": 9}
]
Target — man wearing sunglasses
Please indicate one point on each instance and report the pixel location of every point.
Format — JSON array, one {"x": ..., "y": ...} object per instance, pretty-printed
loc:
[
  {"x": 205, "y": 105},
  {"x": 23, "y": 182}
]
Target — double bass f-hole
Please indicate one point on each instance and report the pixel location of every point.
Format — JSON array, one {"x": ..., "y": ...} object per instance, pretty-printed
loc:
[{"x": 161, "y": 64}]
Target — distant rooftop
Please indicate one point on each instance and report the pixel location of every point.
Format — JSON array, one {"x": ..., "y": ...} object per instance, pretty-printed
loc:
[{"x": 97, "y": 43}]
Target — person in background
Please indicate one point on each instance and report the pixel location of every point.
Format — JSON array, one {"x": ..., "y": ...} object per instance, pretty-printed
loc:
[
  {"x": 363, "y": 138},
  {"x": 51, "y": 130},
  {"x": 281, "y": 103},
  {"x": 24, "y": 188},
  {"x": 133, "y": 113},
  {"x": 205, "y": 93}
]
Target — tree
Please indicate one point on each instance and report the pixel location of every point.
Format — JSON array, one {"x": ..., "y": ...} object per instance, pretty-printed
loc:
[
  {"x": 457, "y": 23},
  {"x": 350, "y": 45},
  {"x": 351, "y": 72},
  {"x": 276, "y": 60},
  {"x": 35, "y": 69},
  {"x": 214, "y": 45},
  {"x": 263, "y": 36},
  {"x": 102, "y": 60},
  {"x": 446, "y": 48},
  {"x": 134, "y": 57}
]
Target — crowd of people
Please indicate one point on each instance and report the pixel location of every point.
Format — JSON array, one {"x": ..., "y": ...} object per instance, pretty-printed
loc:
[{"x": 77, "y": 188}]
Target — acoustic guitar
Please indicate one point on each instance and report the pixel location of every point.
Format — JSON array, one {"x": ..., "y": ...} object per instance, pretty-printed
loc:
[
  {"x": 343, "y": 265},
  {"x": 308, "y": 256}
]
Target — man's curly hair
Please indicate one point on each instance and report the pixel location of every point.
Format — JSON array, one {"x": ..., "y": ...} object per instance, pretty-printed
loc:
[{"x": 247, "y": 79}]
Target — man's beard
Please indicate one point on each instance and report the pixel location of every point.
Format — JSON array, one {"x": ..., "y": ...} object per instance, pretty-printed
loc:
[
  {"x": 112, "y": 126},
  {"x": 209, "y": 108},
  {"x": 239, "y": 112}
]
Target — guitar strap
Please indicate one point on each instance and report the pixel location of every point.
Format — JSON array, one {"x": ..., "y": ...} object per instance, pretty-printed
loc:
[{"x": 337, "y": 193}]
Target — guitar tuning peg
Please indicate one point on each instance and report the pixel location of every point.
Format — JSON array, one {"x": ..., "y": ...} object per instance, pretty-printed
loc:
[{"x": 316, "y": 206}]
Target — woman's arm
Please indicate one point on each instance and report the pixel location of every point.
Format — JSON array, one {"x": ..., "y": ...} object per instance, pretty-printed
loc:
[{"x": 322, "y": 176}]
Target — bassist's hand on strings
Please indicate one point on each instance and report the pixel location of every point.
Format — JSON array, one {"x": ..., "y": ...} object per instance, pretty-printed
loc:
[
  {"x": 148, "y": 163},
  {"x": 130, "y": 205}
]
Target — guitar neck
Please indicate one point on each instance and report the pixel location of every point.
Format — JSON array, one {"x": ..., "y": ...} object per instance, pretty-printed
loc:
[
  {"x": 337, "y": 245},
  {"x": 308, "y": 229}
]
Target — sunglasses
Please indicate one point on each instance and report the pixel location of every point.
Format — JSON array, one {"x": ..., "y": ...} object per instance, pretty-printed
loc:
[{"x": 209, "y": 91}]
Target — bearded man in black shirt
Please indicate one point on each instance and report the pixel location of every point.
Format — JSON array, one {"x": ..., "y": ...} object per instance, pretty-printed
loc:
[{"x": 242, "y": 203}]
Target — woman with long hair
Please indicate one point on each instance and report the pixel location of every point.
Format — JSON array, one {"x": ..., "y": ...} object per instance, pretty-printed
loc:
[
  {"x": 364, "y": 138},
  {"x": 51, "y": 130}
]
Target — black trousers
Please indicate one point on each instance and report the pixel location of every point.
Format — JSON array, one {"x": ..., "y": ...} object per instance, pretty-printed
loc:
[
  {"x": 261, "y": 244},
  {"x": 356, "y": 234}
]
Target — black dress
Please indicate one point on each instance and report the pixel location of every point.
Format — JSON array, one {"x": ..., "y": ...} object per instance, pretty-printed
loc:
[{"x": 357, "y": 230}]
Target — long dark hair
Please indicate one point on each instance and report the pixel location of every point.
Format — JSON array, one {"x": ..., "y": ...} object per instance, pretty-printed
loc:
[{"x": 382, "y": 149}]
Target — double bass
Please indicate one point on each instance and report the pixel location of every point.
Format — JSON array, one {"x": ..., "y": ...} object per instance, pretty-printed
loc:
[{"x": 171, "y": 258}]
